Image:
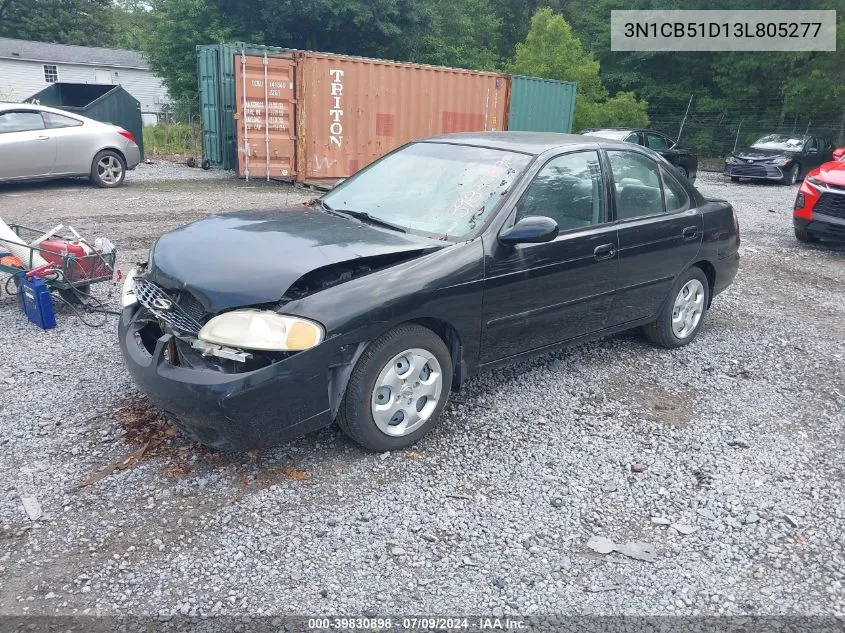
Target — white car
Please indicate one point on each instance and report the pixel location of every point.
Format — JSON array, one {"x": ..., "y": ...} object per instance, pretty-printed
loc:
[{"x": 37, "y": 142}]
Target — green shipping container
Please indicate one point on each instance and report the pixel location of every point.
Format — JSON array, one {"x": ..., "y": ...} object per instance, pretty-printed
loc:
[
  {"x": 101, "y": 102},
  {"x": 541, "y": 105},
  {"x": 216, "y": 74}
]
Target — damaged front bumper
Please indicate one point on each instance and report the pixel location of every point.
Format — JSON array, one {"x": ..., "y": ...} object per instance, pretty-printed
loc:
[{"x": 224, "y": 409}]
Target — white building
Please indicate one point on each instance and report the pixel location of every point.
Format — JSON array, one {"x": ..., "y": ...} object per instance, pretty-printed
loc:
[{"x": 27, "y": 67}]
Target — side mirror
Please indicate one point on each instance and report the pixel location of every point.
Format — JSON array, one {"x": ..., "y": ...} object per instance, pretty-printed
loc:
[
  {"x": 838, "y": 153},
  {"x": 530, "y": 230}
]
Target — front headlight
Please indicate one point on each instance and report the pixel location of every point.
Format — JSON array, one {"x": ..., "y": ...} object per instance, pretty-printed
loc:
[
  {"x": 262, "y": 330},
  {"x": 732, "y": 160},
  {"x": 813, "y": 181},
  {"x": 127, "y": 294},
  {"x": 781, "y": 162}
]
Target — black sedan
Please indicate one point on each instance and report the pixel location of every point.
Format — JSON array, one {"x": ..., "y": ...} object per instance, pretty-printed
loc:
[
  {"x": 683, "y": 159},
  {"x": 782, "y": 157},
  {"x": 445, "y": 258}
]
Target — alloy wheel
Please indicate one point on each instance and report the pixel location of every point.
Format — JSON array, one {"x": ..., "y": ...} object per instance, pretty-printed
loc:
[{"x": 109, "y": 170}]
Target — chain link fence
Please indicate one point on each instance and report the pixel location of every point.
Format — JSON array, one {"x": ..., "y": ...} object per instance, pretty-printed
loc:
[
  {"x": 713, "y": 133},
  {"x": 177, "y": 135}
]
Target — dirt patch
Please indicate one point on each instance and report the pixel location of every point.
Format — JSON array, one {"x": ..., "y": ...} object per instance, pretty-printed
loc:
[{"x": 673, "y": 408}]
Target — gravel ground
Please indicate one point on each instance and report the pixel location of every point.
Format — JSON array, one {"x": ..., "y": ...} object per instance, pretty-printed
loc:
[{"x": 723, "y": 458}]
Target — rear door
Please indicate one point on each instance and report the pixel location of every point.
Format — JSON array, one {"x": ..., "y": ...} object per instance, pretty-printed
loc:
[
  {"x": 27, "y": 149},
  {"x": 659, "y": 229},
  {"x": 539, "y": 294}
]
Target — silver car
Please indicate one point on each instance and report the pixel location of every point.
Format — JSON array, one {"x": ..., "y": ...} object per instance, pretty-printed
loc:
[{"x": 40, "y": 142}]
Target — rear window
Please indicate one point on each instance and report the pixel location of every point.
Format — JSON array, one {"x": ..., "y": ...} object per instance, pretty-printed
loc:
[{"x": 54, "y": 121}]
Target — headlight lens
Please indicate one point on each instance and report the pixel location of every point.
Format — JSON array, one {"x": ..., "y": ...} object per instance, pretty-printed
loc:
[
  {"x": 814, "y": 182},
  {"x": 127, "y": 294},
  {"x": 262, "y": 330},
  {"x": 780, "y": 162},
  {"x": 732, "y": 160}
]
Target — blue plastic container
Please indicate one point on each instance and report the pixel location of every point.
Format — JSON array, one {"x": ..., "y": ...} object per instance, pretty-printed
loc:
[{"x": 37, "y": 302}]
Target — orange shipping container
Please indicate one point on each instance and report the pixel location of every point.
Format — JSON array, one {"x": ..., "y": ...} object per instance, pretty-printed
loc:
[
  {"x": 349, "y": 111},
  {"x": 265, "y": 116},
  {"x": 353, "y": 110}
]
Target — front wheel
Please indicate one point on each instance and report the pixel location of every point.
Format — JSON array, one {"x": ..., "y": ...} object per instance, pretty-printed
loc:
[
  {"x": 398, "y": 389},
  {"x": 108, "y": 169},
  {"x": 680, "y": 318},
  {"x": 791, "y": 176},
  {"x": 803, "y": 235}
]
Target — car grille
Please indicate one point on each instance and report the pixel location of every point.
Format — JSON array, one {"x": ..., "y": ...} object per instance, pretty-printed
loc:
[
  {"x": 832, "y": 204},
  {"x": 156, "y": 300},
  {"x": 191, "y": 306},
  {"x": 753, "y": 171}
]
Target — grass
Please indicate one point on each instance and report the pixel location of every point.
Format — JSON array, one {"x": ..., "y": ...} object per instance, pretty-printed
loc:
[{"x": 172, "y": 138}]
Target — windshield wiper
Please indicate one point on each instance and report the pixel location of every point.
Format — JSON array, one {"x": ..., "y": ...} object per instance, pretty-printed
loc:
[{"x": 364, "y": 217}]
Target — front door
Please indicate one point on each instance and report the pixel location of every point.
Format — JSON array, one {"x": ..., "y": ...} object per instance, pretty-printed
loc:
[
  {"x": 27, "y": 149},
  {"x": 540, "y": 294},
  {"x": 659, "y": 229}
]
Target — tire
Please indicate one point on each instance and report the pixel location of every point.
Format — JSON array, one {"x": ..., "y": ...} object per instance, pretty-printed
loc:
[
  {"x": 108, "y": 169},
  {"x": 398, "y": 357},
  {"x": 734, "y": 178},
  {"x": 803, "y": 235},
  {"x": 791, "y": 177},
  {"x": 206, "y": 164},
  {"x": 663, "y": 332}
]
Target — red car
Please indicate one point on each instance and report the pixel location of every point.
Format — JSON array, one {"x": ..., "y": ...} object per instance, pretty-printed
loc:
[{"x": 820, "y": 204}]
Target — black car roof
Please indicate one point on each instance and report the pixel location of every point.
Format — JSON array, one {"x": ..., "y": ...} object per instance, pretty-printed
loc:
[{"x": 534, "y": 143}]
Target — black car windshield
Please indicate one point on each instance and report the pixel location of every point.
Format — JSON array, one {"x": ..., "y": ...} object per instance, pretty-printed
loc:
[
  {"x": 436, "y": 188},
  {"x": 779, "y": 141},
  {"x": 617, "y": 135}
]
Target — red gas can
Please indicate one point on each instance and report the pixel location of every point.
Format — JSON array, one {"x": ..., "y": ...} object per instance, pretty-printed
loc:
[{"x": 87, "y": 263}]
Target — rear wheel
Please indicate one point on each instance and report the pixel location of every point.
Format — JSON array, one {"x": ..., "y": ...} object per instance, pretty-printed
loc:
[
  {"x": 680, "y": 318},
  {"x": 108, "y": 169},
  {"x": 803, "y": 235},
  {"x": 398, "y": 389}
]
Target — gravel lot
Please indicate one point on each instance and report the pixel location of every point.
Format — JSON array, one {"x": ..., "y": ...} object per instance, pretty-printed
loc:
[{"x": 739, "y": 440}]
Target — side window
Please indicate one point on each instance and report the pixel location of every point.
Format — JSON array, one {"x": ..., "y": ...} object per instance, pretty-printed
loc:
[
  {"x": 812, "y": 143},
  {"x": 54, "y": 121},
  {"x": 569, "y": 189},
  {"x": 657, "y": 142},
  {"x": 677, "y": 198},
  {"x": 637, "y": 182},
  {"x": 20, "y": 122}
]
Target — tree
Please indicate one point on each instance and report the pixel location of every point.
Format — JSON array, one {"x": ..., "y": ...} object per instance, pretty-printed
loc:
[
  {"x": 177, "y": 27},
  {"x": 464, "y": 34},
  {"x": 553, "y": 51},
  {"x": 83, "y": 22}
]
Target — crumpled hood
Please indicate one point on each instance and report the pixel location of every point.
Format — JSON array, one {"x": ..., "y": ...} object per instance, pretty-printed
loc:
[
  {"x": 763, "y": 154},
  {"x": 832, "y": 173},
  {"x": 253, "y": 257}
]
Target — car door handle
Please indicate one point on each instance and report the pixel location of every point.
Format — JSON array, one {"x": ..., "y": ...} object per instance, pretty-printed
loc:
[
  {"x": 605, "y": 251},
  {"x": 42, "y": 137},
  {"x": 690, "y": 232}
]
